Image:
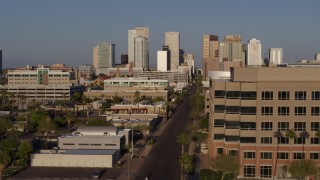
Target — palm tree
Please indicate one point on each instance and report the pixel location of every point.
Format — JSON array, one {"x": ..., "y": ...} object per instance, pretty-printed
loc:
[
  {"x": 278, "y": 134},
  {"x": 291, "y": 134},
  {"x": 304, "y": 135},
  {"x": 69, "y": 117},
  {"x": 183, "y": 139},
  {"x": 186, "y": 165}
]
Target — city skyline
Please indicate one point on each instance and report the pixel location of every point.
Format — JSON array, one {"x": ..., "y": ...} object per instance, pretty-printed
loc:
[{"x": 48, "y": 32}]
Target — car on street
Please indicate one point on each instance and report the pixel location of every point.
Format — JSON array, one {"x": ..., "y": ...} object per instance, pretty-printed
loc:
[{"x": 97, "y": 173}]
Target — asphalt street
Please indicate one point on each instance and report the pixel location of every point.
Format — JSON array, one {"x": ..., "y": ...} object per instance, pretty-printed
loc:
[{"x": 163, "y": 160}]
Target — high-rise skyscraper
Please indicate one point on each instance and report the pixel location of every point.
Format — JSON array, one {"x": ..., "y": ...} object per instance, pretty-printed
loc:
[
  {"x": 254, "y": 57},
  {"x": 210, "y": 54},
  {"x": 103, "y": 57},
  {"x": 0, "y": 61},
  {"x": 275, "y": 56},
  {"x": 163, "y": 59},
  {"x": 138, "y": 47},
  {"x": 231, "y": 48},
  {"x": 124, "y": 59},
  {"x": 172, "y": 39}
]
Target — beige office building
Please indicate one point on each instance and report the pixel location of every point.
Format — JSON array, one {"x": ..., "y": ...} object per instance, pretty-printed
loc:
[
  {"x": 210, "y": 54},
  {"x": 172, "y": 39},
  {"x": 247, "y": 110}
]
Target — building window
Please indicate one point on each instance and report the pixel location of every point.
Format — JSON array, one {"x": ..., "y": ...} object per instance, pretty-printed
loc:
[
  {"x": 299, "y": 126},
  {"x": 265, "y": 171},
  {"x": 267, "y": 95},
  {"x": 219, "y": 123},
  {"x": 248, "y": 110},
  {"x": 219, "y": 108},
  {"x": 247, "y": 139},
  {"x": 315, "y": 140},
  {"x": 266, "y": 140},
  {"x": 219, "y": 94},
  {"x": 298, "y": 155},
  {"x": 233, "y": 94},
  {"x": 315, "y": 126},
  {"x": 283, "y": 155},
  {"x": 232, "y": 109},
  {"x": 283, "y": 140},
  {"x": 232, "y": 138},
  {"x": 315, "y": 95},
  {"x": 232, "y": 124},
  {"x": 315, "y": 111},
  {"x": 267, "y": 110},
  {"x": 266, "y": 155},
  {"x": 300, "y": 111},
  {"x": 233, "y": 152},
  {"x": 218, "y": 136},
  {"x": 248, "y": 95},
  {"x": 249, "y": 171},
  {"x": 283, "y": 126},
  {"x": 219, "y": 150},
  {"x": 266, "y": 126},
  {"x": 248, "y": 125},
  {"x": 249, "y": 155},
  {"x": 283, "y": 95},
  {"x": 314, "y": 155},
  {"x": 300, "y": 95},
  {"x": 68, "y": 144},
  {"x": 283, "y": 111},
  {"x": 299, "y": 140}
]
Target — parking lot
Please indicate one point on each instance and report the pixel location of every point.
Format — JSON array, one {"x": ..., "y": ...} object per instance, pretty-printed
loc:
[{"x": 64, "y": 173}]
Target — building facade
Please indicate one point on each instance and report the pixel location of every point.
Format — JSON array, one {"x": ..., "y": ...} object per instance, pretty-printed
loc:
[
  {"x": 172, "y": 40},
  {"x": 163, "y": 59},
  {"x": 124, "y": 59},
  {"x": 138, "y": 47},
  {"x": 86, "y": 72},
  {"x": 254, "y": 56},
  {"x": 103, "y": 57},
  {"x": 275, "y": 56},
  {"x": 210, "y": 54},
  {"x": 255, "y": 104},
  {"x": 0, "y": 61}
]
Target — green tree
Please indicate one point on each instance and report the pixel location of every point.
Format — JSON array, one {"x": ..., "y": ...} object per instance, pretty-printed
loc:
[
  {"x": 143, "y": 128},
  {"x": 291, "y": 134},
  {"x": 5, "y": 124},
  {"x": 203, "y": 122},
  {"x": 278, "y": 135},
  {"x": 183, "y": 139},
  {"x": 4, "y": 161},
  {"x": 47, "y": 127},
  {"x": 98, "y": 122},
  {"x": 24, "y": 150},
  {"x": 226, "y": 164},
  {"x": 117, "y": 99},
  {"x": 69, "y": 118},
  {"x": 304, "y": 135},
  {"x": 186, "y": 162},
  {"x": 303, "y": 168}
]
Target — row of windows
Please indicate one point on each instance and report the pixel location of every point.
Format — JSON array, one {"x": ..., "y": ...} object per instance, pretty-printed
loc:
[
  {"x": 265, "y": 126},
  {"x": 280, "y": 155},
  {"x": 265, "y": 95},
  {"x": 266, "y": 110},
  {"x": 265, "y": 140},
  {"x": 250, "y": 171}
]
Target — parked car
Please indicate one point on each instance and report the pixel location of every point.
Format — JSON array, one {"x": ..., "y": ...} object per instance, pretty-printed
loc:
[{"x": 97, "y": 173}]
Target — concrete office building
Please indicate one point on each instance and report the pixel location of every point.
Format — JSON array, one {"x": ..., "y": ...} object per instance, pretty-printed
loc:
[
  {"x": 275, "y": 56},
  {"x": 163, "y": 59},
  {"x": 247, "y": 110},
  {"x": 254, "y": 56},
  {"x": 172, "y": 40},
  {"x": 210, "y": 54},
  {"x": 127, "y": 87},
  {"x": 103, "y": 57},
  {"x": 317, "y": 58},
  {"x": 231, "y": 48},
  {"x": 138, "y": 42},
  {"x": 124, "y": 59},
  {"x": 141, "y": 52},
  {"x": 86, "y": 72}
]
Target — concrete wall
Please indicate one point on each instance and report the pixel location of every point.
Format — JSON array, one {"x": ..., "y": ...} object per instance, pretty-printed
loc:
[{"x": 70, "y": 160}]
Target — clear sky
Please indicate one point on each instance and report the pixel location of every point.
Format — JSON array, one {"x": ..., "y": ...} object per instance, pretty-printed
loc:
[{"x": 65, "y": 31}]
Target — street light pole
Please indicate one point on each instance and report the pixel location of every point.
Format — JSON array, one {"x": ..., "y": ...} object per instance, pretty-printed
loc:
[{"x": 131, "y": 139}]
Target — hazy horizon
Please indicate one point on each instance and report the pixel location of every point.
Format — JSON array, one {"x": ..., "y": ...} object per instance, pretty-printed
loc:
[{"x": 46, "y": 32}]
